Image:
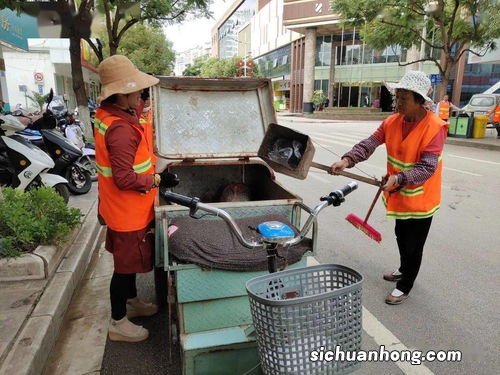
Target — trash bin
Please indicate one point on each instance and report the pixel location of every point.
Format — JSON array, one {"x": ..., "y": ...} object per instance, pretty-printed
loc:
[
  {"x": 480, "y": 122},
  {"x": 461, "y": 126}
]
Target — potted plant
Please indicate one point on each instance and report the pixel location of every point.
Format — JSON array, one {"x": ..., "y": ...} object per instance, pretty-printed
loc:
[{"x": 318, "y": 99}]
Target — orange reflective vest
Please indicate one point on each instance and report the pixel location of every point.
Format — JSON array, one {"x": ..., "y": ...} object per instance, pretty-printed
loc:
[
  {"x": 412, "y": 201},
  {"x": 496, "y": 116},
  {"x": 122, "y": 210},
  {"x": 146, "y": 120},
  {"x": 444, "y": 110}
]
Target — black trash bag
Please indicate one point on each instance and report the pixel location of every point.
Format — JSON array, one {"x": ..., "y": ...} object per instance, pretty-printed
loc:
[{"x": 286, "y": 152}]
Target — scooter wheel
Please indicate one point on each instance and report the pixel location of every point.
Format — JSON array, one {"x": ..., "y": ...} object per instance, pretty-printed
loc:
[
  {"x": 91, "y": 165},
  {"x": 63, "y": 191},
  {"x": 79, "y": 181}
]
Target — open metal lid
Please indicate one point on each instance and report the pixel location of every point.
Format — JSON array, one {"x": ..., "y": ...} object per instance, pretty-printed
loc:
[{"x": 201, "y": 118}]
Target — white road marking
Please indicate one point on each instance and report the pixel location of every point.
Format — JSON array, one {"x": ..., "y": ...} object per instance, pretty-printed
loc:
[
  {"x": 319, "y": 178},
  {"x": 464, "y": 172},
  {"x": 336, "y": 137},
  {"x": 382, "y": 336},
  {"x": 332, "y": 139},
  {"x": 478, "y": 160}
]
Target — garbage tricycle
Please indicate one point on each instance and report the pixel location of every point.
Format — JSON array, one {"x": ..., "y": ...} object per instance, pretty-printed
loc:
[{"x": 211, "y": 131}]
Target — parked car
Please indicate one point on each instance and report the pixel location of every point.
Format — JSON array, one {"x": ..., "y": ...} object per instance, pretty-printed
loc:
[{"x": 482, "y": 104}]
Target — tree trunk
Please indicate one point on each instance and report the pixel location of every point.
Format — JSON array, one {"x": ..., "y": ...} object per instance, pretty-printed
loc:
[
  {"x": 79, "y": 87},
  {"x": 446, "y": 63},
  {"x": 113, "y": 48}
]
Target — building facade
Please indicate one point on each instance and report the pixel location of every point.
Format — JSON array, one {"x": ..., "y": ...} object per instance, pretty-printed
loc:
[
  {"x": 185, "y": 58},
  {"x": 303, "y": 46},
  {"x": 14, "y": 33},
  {"x": 45, "y": 66}
]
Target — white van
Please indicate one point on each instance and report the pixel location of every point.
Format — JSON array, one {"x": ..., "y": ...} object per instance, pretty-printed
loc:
[{"x": 481, "y": 104}]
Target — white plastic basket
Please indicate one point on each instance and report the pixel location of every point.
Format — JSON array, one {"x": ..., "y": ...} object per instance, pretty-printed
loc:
[{"x": 299, "y": 311}]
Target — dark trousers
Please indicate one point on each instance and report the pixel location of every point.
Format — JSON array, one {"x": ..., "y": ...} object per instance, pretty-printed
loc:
[
  {"x": 410, "y": 236},
  {"x": 122, "y": 287},
  {"x": 497, "y": 125}
]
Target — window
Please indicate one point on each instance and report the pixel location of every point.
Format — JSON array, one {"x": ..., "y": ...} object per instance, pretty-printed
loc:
[
  {"x": 353, "y": 55},
  {"x": 323, "y": 50}
]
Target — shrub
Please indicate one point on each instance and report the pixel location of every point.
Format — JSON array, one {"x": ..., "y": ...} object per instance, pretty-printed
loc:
[
  {"x": 318, "y": 98},
  {"x": 32, "y": 218}
]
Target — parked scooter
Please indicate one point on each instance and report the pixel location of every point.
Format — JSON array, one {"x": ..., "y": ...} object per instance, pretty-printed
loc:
[
  {"x": 23, "y": 165},
  {"x": 66, "y": 155},
  {"x": 72, "y": 130}
]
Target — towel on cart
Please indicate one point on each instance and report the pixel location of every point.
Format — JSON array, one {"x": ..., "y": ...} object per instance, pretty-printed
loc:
[{"x": 210, "y": 243}]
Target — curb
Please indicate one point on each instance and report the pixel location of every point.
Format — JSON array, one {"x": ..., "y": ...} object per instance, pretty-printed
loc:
[
  {"x": 36, "y": 340},
  {"x": 484, "y": 146}
]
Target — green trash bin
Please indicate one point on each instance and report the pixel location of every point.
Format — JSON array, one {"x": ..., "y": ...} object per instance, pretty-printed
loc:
[{"x": 461, "y": 126}]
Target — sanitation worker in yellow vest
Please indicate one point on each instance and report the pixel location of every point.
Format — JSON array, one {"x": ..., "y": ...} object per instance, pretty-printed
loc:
[{"x": 414, "y": 138}]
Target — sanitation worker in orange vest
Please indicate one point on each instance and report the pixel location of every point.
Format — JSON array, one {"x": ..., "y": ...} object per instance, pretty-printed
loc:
[
  {"x": 443, "y": 108},
  {"x": 127, "y": 185},
  {"x": 496, "y": 119},
  {"x": 414, "y": 138},
  {"x": 146, "y": 120}
]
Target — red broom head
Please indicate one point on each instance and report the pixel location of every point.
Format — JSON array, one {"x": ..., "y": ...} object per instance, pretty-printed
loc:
[{"x": 365, "y": 227}]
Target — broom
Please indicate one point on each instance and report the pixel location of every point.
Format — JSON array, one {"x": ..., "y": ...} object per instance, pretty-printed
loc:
[{"x": 363, "y": 224}]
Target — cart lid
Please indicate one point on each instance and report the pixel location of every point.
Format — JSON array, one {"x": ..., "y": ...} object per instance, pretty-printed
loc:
[{"x": 211, "y": 118}]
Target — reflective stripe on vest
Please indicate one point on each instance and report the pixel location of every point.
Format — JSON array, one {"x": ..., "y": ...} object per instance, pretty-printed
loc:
[
  {"x": 444, "y": 110},
  {"x": 138, "y": 168},
  {"x": 412, "y": 201},
  {"x": 122, "y": 210}
]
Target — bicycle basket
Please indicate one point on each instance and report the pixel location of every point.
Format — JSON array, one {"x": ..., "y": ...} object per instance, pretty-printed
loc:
[{"x": 299, "y": 311}]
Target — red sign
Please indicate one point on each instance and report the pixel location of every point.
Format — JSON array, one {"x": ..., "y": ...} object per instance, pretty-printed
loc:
[{"x": 39, "y": 77}]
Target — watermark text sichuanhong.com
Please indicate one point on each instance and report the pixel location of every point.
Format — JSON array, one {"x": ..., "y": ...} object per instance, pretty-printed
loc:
[{"x": 415, "y": 357}]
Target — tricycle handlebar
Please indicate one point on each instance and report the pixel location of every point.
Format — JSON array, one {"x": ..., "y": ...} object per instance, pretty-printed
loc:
[{"x": 335, "y": 198}]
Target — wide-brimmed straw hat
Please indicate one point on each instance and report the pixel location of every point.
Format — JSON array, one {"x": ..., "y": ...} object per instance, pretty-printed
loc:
[
  {"x": 415, "y": 81},
  {"x": 119, "y": 75}
]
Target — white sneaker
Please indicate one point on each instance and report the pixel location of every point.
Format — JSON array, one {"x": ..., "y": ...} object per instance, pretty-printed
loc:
[
  {"x": 125, "y": 330},
  {"x": 136, "y": 307}
]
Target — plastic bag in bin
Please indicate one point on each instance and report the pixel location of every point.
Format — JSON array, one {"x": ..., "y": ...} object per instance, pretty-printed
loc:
[{"x": 286, "y": 152}]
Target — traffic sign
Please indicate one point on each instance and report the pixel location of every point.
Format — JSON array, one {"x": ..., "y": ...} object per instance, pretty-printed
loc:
[
  {"x": 436, "y": 78},
  {"x": 39, "y": 77}
]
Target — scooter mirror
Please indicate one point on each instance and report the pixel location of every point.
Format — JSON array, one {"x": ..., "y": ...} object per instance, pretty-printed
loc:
[{"x": 51, "y": 96}]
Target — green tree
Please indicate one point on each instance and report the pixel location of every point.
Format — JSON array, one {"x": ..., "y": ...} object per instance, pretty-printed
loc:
[
  {"x": 148, "y": 49},
  {"x": 213, "y": 68},
  {"x": 121, "y": 15},
  {"x": 194, "y": 69},
  {"x": 38, "y": 99},
  {"x": 451, "y": 27}
]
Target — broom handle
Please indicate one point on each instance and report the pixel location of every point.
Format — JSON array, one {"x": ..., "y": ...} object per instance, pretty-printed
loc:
[
  {"x": 373, "y": 203},
  {"x": 371, "y": 181}
]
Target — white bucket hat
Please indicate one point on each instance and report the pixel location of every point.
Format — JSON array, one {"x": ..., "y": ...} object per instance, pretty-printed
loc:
[
  {"x": 415, "y": 81},
  {"x": 119, "y": 75}
]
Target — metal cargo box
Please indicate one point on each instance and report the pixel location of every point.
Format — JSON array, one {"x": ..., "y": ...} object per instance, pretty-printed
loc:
[{"x": 210, "y": 131}]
